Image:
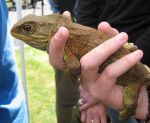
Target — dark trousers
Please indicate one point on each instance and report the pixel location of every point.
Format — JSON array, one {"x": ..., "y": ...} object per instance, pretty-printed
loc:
[{"x": 67, "y": 95}]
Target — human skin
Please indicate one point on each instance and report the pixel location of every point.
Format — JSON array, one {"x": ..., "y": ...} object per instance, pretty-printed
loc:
[
  {"x": 56, "y": 50},
  {"x": 103, "y": 86}
]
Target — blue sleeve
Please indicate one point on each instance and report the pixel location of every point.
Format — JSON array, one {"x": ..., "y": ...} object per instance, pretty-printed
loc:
[{"x": 12, "y": 100}]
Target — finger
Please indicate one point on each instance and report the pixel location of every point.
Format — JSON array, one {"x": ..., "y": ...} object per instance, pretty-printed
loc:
[
  {"x": 105, "y": 88},
  {"x": 118, "y": 68},
  {"x": 91, "y": 61},
  {"x": 84, "y": 106},
  {"x": 105, "y": 27},
  {"x": 56, "y": 48},
  {"x": 96, "y": 118},
  {"x": 88, "y": 104},
  {"x": 67, "y": 14},
  {"x": 83, "y": 117},
  {"x": 142, "y": 107},
  {"x": 103, "y": 117},
  {"x": 89, "y": 117}
]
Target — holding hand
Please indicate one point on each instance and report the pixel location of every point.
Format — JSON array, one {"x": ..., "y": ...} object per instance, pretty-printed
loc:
[
  {"x": 101, "y": 86},
  {"x": 94, "y": 114}
]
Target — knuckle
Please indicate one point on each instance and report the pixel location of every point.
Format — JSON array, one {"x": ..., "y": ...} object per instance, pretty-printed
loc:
[
  {"x": 109, "y": 73},
  {"x": 96, "y": 113},
  {"x": 86, "y": 64}
]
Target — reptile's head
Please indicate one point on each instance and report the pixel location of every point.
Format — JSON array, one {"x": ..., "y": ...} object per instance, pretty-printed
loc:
[{"x": 33, "y": 30}]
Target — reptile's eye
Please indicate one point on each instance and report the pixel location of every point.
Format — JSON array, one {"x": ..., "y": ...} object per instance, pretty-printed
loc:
[{"x": 27, "y": 27}]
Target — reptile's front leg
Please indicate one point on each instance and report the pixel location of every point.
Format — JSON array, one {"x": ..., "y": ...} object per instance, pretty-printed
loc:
[
  {"x": 72, "y": 65},
  {"x": 131, "y": 93}
]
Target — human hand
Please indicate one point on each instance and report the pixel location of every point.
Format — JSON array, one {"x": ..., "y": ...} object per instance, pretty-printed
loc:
[
  {"x": 85, "y": 97},
  {"x": 103, "y": 86},
  {"x": 57, "y": 44},
  {"x": 94, "y": 114},
  {"x": 91, "y": 109},
  {"x": 56, "y": 48}
]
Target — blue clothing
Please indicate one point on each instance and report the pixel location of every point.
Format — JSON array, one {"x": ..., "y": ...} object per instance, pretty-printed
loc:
[
  {"x": 115, "y": 117},
  {"x": 12, "y": 100},
  {"x": 54, "y": 6}
]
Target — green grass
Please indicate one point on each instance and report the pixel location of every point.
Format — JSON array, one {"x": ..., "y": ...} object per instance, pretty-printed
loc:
[{"x": 41, "y": 86}]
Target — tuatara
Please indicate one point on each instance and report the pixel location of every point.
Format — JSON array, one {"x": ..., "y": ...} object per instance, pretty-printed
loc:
[{"x": 37, "y": 31}]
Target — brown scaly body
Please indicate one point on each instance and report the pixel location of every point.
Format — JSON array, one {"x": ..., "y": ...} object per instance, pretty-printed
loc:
[{"x": 37, "y": 31}]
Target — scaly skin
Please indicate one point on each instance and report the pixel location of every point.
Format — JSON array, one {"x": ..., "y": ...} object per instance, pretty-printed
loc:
[{"x": 37, "y": 31}]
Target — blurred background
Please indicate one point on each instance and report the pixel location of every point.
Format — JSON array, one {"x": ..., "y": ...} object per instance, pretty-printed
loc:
[{"x": 39, "y": 83}]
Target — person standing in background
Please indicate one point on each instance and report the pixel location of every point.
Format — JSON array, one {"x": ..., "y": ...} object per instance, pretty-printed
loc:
[{"x": 13, "y": 107}]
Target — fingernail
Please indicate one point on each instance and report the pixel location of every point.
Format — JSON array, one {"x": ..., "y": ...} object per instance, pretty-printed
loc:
[
  {"x": 139, "y": 53},
  {"x": 123, "y": 37},
  {"x": 115, "y": 31}
]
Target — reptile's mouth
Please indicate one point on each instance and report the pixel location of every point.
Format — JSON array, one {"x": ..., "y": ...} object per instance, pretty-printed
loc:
[
  {"x": 21, "y": 37},
  {"x": 29, "y": 39}
]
